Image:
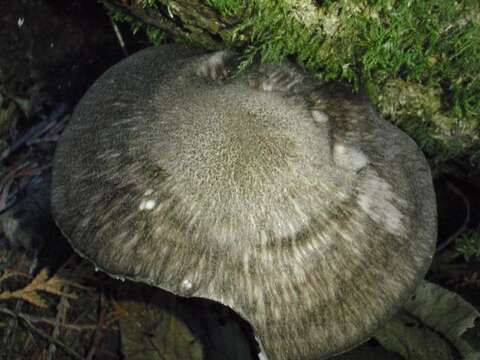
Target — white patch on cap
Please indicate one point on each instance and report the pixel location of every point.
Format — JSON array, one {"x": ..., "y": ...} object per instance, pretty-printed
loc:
[
  {"x": 319, "y": 116},
  {"x": 186, "y": 285},
  {"x": 376, "y": 199},
  {"x": 261, "y": 355},
  {"x": 85, "y": 221},
  {"x": 147, "y": 204},
  {"x": 349, "y": 157},
  {"x": 148, "y": 192}
]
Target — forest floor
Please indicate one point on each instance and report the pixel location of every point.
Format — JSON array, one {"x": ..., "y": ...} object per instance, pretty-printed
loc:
[{"x": 53, "y": 304}]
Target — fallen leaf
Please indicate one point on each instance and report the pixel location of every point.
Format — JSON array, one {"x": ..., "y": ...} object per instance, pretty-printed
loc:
[{"x": 433, "y": 325}]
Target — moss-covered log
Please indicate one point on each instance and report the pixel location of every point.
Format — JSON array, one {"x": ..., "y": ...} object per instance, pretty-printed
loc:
[
  {"x": 418, "y": 60},
  {"x": 198, "y": 22}
]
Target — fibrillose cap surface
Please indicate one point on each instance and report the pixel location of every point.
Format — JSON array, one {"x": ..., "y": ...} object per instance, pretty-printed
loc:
[{"x": 299, "y": 208}]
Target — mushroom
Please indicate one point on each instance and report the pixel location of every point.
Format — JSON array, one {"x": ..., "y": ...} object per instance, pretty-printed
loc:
[{"x": 286, "y": 199}]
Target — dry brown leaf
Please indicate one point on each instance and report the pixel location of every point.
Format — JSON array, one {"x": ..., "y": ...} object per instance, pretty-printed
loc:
[
  {"x": 119, "y": 311},
  {"x": 55, "y": 286},
  {"x": 41, "y": 282},
  {"x": 29, "y": 296}
]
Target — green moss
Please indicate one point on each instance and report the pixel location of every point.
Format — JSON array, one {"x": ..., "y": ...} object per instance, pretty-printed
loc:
[
  {"x": 227, "y": 8},
  {"x": 468, "y": 245},
  {"x": 155, "y": 35},
  {"x": 148, "y": 3},
  {"x": 430, "y": 47},
  {"x": 418, "y": 109},
  {"x": 425, "y": 54}
]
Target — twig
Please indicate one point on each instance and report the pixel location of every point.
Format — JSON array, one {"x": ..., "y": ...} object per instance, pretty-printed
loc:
[
  {"x": 12, "y": 130},
  {"x": 5, "y": 200},
  {"x": 6, "y": 183},
  {"x": 52, "y": 321},
  {"x": 53, "y": 130},
  {"x": 7, "y": 197},
  {"x": 35, "y": 131},
  {"x": 155, "y": 347},
  {"x": 40, "y": 333},
  {"x": 99, "y": 330},
  {"x": 53, "y": 138},
  {"x": 23, "y": 139},
  {"x": 453, "y": 237},
  {"x": 59, "y": 126},
  {"x": 18, "y": 306},
  {"x": 62, "y": 308},
  {"x": 119, "y": 36}
]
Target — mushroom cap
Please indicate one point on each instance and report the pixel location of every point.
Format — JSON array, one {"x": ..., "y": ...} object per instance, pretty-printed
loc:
[{"x": 289, "y": 201}]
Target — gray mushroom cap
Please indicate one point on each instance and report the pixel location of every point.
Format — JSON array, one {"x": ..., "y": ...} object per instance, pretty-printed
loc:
[{"x": 287, "y": 200}]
